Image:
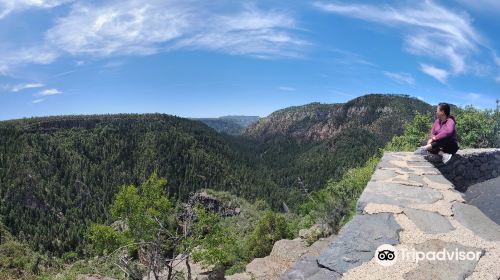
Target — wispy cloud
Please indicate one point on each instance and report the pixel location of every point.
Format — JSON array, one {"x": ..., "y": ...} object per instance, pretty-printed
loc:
[
  {"x": 9, "y": 6},
  {"x": 20, "y": 87},
  {"x": 347, "y": 57},
  {"x": 285, "y": 88},
  {"x": 435, "y": 72},
  {"x": 401, "y": 77},
  {"x": 38, "y": 100},
  {"x": 26, "y": 55},
  {"x": 130, "y": 27},
  {"x": 429, "y": 30},
  {"x": 63, "y": 73},
  {"x": 49, "y": 92}
]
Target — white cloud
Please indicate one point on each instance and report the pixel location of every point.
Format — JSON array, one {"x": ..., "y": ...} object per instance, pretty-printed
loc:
[
  {"x": 21, "y": 87},
  {"x": 401, "y": 77},
  {"x": 437, "y": 73},
  {"x": 27, "y": 55},
  {"x": 429, "y": 30},
  {"x": 10, "y": 6},
  {"x": 38, "y": 100},
  {"x": 249, "y": 32},
  {"x": 49, "y": 92},
  {"x": 130, "y": 27},
  {"x": 285, "y": 88}
]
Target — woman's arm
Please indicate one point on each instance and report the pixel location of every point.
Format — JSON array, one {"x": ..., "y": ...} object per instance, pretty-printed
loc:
[
  {"x": 433, "y": 131},
  {"x": 446, "y": 131}
]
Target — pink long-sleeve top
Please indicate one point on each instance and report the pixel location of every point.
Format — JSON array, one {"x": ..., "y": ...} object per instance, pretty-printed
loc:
[{"x": 444, "y": 129}]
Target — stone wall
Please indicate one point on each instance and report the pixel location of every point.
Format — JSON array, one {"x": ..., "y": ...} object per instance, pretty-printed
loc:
[
  {"x": 471, "y": 166},
  {"x": 409, "y": 204}
]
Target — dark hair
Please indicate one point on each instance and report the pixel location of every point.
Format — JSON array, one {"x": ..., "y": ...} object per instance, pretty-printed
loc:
[{"x": 445, "y": 107}]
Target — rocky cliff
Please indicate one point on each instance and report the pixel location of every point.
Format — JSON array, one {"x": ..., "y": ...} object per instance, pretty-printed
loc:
[{"x": 374, "y": 112}]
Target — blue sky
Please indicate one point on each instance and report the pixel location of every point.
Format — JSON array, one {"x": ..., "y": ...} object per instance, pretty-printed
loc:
[{"x": 196, "y": 58}]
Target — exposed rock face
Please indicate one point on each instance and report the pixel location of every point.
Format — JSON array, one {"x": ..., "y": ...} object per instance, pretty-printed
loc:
[
  {"x": 210, "y": 203},
  {"x": 284, "y": 254},
  {"x": 307, "y": 268},
  {"x": 316, "y": 121}
]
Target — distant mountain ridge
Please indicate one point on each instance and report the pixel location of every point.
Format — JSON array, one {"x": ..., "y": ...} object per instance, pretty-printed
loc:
[
  {"x": 378, "y": 113},
  {"x": 232, "y": 125}
]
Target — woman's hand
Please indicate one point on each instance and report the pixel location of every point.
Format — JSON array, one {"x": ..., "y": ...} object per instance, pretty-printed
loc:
[{"x": 429, "y": 141}]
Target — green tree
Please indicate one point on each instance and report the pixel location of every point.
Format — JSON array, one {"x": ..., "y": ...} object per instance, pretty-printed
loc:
[
  {"x": 212, "y": 243},
  {"x": 270, "y": 228},
  {"x": 149, "y": 229},
  {"x": 477, "y": 128}
]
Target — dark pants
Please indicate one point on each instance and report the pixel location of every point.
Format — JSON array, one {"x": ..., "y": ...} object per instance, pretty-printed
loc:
[{"x": 446, "y": 145}]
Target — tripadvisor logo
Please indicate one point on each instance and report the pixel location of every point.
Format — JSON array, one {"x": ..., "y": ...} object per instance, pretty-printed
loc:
[{"x": 387, "y": 255}]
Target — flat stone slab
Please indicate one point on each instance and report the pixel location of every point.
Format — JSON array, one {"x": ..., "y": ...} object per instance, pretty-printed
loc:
[
  {"x": 388, "y": 164},
  {"x": 486, "y": 197},
  {"x": 428, "y": 221},
  {"x": 472, "y": 218},
  {"x": 396, "y": 194},
  {"x": 306, "y": 268},
  {"x": 440, "y": 179},
  {"x": 443, "y": 269},
  {"x": 418, "y": 179},
  {"x": 358, "y": 240},
  {"x": 383, "y": 174}
]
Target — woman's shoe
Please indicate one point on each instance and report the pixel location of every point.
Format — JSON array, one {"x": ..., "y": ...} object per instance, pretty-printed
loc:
[{"x": 446, "y": 158}]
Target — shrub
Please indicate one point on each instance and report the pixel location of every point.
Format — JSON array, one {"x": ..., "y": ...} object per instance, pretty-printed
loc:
[{"x": 270, "y": 228}]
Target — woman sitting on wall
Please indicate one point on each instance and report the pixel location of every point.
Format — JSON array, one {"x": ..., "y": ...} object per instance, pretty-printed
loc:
[{"x": 443, "y": 140}]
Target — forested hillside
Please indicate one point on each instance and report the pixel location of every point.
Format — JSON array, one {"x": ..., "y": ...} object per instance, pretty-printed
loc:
[{"x": 59, "y": 174}]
